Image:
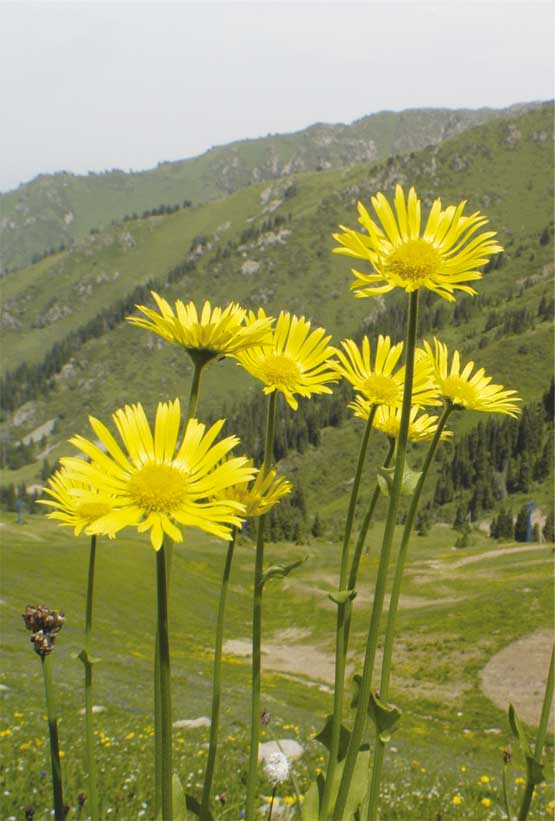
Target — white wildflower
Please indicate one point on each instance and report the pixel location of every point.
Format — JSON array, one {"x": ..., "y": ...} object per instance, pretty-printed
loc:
[{"x": 277, "y": 768}]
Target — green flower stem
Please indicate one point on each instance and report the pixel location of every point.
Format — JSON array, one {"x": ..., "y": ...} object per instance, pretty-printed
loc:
[
  {"x": 379, "y": 593},
  {"x": 257, "y": 622},
  {"x": 367, "y": 521},
  {"x": 506, "y": 799},
  {"x": 200, "y": 360},
  {"x": 57, "y": 790},
  {"x": 216, "y": 683},
  {"x": 540, "y": 738},
  {"x": 379, "y": 750},
  {"x": 89, "y": 728},
  {"x": 165, "y": 686},
  {"x": 342, "y": 610},
  {"x": 198, "y": 366},
  {"x": 157, "y": 699}
]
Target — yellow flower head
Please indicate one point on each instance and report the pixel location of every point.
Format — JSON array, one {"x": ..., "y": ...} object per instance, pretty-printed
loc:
[
  {"x": 388, "y": 420},
  {"x": 447, "y": 253},
  {"x": 296, "y": 362},
  {"x": 76, "y": 504},
  {"x": 471, "y": 392},
  {"x": 260, "y": 496},
  {"x": 215, "y": 333},
  {"x": 457, "y": 800},
  {"x": 381, "y": 384},
  {"x": 155, "y": 484},
  {"x": 486, "y": 802}
]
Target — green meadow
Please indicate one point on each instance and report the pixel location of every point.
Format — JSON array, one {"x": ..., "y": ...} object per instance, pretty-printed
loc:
[{"x": 459, "y": 608}]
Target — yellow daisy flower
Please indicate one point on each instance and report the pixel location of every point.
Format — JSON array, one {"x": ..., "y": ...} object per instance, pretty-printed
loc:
[
  {"x": 381, "y": 384},
  {"x": 155, "y": 483},
  {"x": 216, "y": 332},
  {"x": 388, "y": 420},
  {"x": 296, "y": 362},
  {"x": 472, "y": 392},
  {"x": 260, "y": 496},
  {"x": 76, "y": 504},
  {"x": 442, "y": 257}
]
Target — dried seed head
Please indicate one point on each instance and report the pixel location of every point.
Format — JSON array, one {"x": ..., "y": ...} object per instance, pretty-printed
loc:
[
  {"x": 81, "y": 798},
  {"x": 507, "y": 754},
  {"x": 265, "y": 718},
  {"x": 41, "y": 618},
  {"x": 43, "y": 642},
  {"x": 29, "y": 813}
]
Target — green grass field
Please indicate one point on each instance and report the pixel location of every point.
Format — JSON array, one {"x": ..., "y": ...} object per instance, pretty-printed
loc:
[{"x": 459, "y": 608}]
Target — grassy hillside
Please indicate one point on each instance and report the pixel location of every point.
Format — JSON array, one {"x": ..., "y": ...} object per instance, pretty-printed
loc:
[
  {"x": 54, "y": 210},
  {"x": 457, "y": 611},
  {"x": 274, "y": 249}
]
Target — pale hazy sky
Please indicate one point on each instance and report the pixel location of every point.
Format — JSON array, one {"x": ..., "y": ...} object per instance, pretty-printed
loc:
[{"x": 94, "y": 85}]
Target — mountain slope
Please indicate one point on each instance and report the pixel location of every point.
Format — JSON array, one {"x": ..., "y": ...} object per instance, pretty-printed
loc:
[
  {"x": 55, "y": 210},
  {"x": 271, "y": 246}
]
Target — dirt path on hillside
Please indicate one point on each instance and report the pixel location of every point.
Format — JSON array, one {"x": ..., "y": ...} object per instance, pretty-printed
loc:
[{"x": 517, "y": 675}]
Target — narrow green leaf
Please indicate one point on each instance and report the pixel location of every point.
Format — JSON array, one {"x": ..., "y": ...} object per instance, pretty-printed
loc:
[
  {"x": 342, "y": 596},
  {"x": 312, "y": 798},
  {"x": 85, "y": 657},
  {"x": 178, "y": 800},
  {"x": 357, "y": 793},
  {"x": 518, "y": 732},
  {"x": 277, "y": 571}
]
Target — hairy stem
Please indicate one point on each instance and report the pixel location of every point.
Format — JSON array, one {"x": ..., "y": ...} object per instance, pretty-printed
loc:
[
  {"x": 216, "y": 683},
  {"x": 379, "y": 593},
  {"x": 342, "y": 609},
  {"x": 57, "y": 791},
  {"x": 165, "y": 687},
  {"x": 257, "y": 622},
  {"x": 89, "y": 727},
  {"x": 379, "y": 750}
]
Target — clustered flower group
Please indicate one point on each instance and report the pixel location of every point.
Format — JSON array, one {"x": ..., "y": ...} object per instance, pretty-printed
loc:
[{"x": 180, "y": 473}]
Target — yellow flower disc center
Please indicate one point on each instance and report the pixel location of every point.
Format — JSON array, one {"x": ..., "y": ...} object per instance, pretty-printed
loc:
[
  {"x": 413, "y": 262},
  {"x": 281, "y": 370},
  {"x": 381, "y": 390},
  {"x": 158, "y": 488},
  {"x": 90, "y": 511},
  {"x": 460, "y": 391}
]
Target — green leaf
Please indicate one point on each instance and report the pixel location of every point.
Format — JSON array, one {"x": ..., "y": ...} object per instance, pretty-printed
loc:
[
  {"x": 85, "y": 657},
  {"x": 408, "y": 483},
  {"x": 178, "y": 800},
  {"x": 312, "y": 798},
  {"x": 280, "y": 570},
  {"x": 342, "y": 596},
  {"x": 534, "y": 770},
  {"x": 356, "y": 691},
  {"x": 324, "y": 737},
  {"x": 357, "y": 793},
  {"x": 386, "y": 717},
  {"x": 518, "y": 732},
  {"x": 193, "y": 806},
  {"x": 385, "y": 479}
]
